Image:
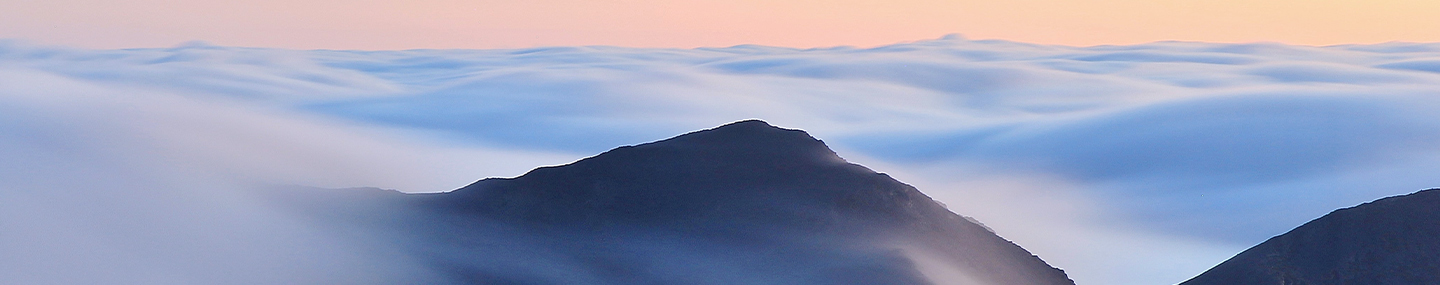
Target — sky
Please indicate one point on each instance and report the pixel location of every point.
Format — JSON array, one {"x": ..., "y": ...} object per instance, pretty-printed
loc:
[{"x": 388, "y": 25}]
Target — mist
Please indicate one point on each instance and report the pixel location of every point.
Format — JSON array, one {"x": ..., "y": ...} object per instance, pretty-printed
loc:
[
  {"x": 109, "y": 183},
  {"x": 1137, "y": 164}
]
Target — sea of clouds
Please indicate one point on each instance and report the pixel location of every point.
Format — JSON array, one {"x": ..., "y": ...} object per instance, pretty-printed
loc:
[{"x": 1136, "y": 164}]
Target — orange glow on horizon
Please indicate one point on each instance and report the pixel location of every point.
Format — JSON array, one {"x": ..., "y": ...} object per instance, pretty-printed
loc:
[{"x": 388, "y": 24}]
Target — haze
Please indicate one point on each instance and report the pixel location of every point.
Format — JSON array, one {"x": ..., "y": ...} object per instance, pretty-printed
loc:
[
  {"x": 1132, "y": 162},
  {"x": 1139, "y": 164}
]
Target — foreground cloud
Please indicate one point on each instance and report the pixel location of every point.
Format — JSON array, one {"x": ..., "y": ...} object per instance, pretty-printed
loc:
[{"x": 1112, "y": 162}]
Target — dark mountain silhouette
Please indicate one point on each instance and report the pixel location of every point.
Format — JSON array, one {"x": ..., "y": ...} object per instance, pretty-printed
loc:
[
  {"x": 1394, "y": 240},
  {"x": 744, "y": 203}
]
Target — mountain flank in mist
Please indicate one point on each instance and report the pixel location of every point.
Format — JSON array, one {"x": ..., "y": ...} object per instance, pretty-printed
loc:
[{"x": 743, "y": 203}]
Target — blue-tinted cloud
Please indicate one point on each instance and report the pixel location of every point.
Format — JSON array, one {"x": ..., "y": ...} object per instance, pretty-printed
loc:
[{"x": 1187, "y": 151}]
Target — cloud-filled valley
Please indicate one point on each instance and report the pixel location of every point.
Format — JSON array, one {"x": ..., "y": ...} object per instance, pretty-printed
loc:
[{"x": 1138, "y": 164}]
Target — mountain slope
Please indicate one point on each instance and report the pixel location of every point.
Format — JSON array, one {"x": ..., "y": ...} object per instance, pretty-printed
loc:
[
  {"x": 744, "y": 203},
  {"x": 1394, "y": 240}
]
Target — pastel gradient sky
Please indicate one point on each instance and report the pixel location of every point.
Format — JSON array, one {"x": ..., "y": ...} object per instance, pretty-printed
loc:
[{"x": 391, "y": 24}]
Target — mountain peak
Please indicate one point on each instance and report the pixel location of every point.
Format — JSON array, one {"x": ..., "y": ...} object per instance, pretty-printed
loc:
[
  {"x": 744, "y": 130},
  {"x": 742, "y": 165},
  {"x": 749, "y": 124},
  {"x": 745, "y": 189},
  {"x": 749, "y": 135}
]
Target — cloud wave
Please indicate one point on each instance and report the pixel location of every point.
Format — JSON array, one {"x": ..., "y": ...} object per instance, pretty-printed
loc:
[{"x": 1187, "y": 151}]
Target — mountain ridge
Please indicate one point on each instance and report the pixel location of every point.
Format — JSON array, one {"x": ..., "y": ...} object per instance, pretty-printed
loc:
[
  {"x": 1387, "y": 241},
  {"x": 712, "y": 156},
  {"x": 742, "y": 203}
]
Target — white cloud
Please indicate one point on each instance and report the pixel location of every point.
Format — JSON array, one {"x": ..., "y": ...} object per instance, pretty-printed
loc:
[
  {"x": 105, "y": 183},
  {"x": 1128, "y": 157}
]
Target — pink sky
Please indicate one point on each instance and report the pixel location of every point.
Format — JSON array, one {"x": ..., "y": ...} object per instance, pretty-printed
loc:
[{"x": 391, "y": 24}]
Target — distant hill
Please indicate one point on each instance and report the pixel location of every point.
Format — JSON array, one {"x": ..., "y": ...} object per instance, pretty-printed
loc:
[
  {"x": 1394, "y": 240},
  {"x": 744, "y": 203}
]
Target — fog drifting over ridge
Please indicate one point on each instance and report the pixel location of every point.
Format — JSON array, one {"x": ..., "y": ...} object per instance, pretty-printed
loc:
[{"x": 1140, "y": 164}]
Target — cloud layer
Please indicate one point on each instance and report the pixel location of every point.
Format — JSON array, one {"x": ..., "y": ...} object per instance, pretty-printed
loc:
[{"x": 1112, "y": 162}]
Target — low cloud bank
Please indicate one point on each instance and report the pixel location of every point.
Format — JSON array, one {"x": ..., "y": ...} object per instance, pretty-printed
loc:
[
  {"x": 1185, "y": 151},
  {"x": 109, "y": 183}
]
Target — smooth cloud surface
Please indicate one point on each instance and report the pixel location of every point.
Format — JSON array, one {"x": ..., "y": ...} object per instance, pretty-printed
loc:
[{"x": 1141, "y": 164}]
